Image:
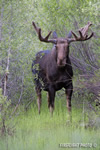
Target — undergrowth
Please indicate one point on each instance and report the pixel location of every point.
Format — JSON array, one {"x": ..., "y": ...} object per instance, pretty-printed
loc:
[{"x": 35, "y": 132}]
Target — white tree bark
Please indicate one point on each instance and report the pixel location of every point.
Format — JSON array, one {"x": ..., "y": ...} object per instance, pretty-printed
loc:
[{"x": 8, "y": 56}]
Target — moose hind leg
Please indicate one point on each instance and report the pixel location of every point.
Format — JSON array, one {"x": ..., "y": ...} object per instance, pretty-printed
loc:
[{"x": 39, "y": 99}]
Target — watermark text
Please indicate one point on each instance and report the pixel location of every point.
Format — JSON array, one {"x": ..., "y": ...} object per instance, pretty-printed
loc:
[{"x": 77, "y": 145}]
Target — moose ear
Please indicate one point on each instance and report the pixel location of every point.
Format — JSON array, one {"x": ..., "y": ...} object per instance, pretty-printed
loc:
[
  {"x": 54, "y": 35},
  {"x": 69, "y": 34}
]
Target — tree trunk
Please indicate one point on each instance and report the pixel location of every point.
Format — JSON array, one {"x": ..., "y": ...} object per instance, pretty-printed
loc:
[{"x": 8, "y": 57}]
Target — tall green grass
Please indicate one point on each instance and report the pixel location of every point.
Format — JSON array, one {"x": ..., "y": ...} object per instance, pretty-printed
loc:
[{"x": 43, "y": 132}]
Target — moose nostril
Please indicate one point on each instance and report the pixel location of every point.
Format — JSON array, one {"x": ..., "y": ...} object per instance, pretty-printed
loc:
[{"x": 59, "y": 62}]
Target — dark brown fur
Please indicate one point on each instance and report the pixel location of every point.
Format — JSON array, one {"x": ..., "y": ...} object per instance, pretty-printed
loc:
[{"x": 53, "y": 76}]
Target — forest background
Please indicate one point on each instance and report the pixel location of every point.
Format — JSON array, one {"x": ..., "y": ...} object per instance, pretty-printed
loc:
[{"x": 19, "y": 44}]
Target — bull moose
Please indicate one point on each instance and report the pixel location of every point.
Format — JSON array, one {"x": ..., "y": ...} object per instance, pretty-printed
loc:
[{"x": 52, "y": 69}]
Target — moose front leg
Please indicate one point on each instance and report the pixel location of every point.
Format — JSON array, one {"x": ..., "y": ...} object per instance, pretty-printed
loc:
[
  {"x": 51, "y": 98},
  {"x": 68, "y": 96},
  {"x": 38, "y": 91},
  {"x": 69, "y": 92}
]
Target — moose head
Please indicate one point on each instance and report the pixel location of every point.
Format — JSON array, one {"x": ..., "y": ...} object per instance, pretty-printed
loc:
[{"x": 61, "y": 45}]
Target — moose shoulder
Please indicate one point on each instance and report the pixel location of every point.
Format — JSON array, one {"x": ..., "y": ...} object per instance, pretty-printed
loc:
[{"x": 52, "y": 69}]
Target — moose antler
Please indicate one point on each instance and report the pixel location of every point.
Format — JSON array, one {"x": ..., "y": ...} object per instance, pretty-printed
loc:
[
  {"x": 83, "y": 32},
  {"x": 41, "y": 38}
]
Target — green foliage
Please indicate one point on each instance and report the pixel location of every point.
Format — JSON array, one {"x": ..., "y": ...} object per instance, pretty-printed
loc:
[
  {"x": 35, "y": 131},
  {"x": 43, "y": 132},
  {"x": 4, "y": 112},
  {"x": 4, "y": 104},
  {"x": 18, "y": 34}
]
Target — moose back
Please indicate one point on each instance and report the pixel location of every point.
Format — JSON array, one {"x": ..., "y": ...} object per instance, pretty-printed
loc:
[{"x": 52, "y": 69}]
